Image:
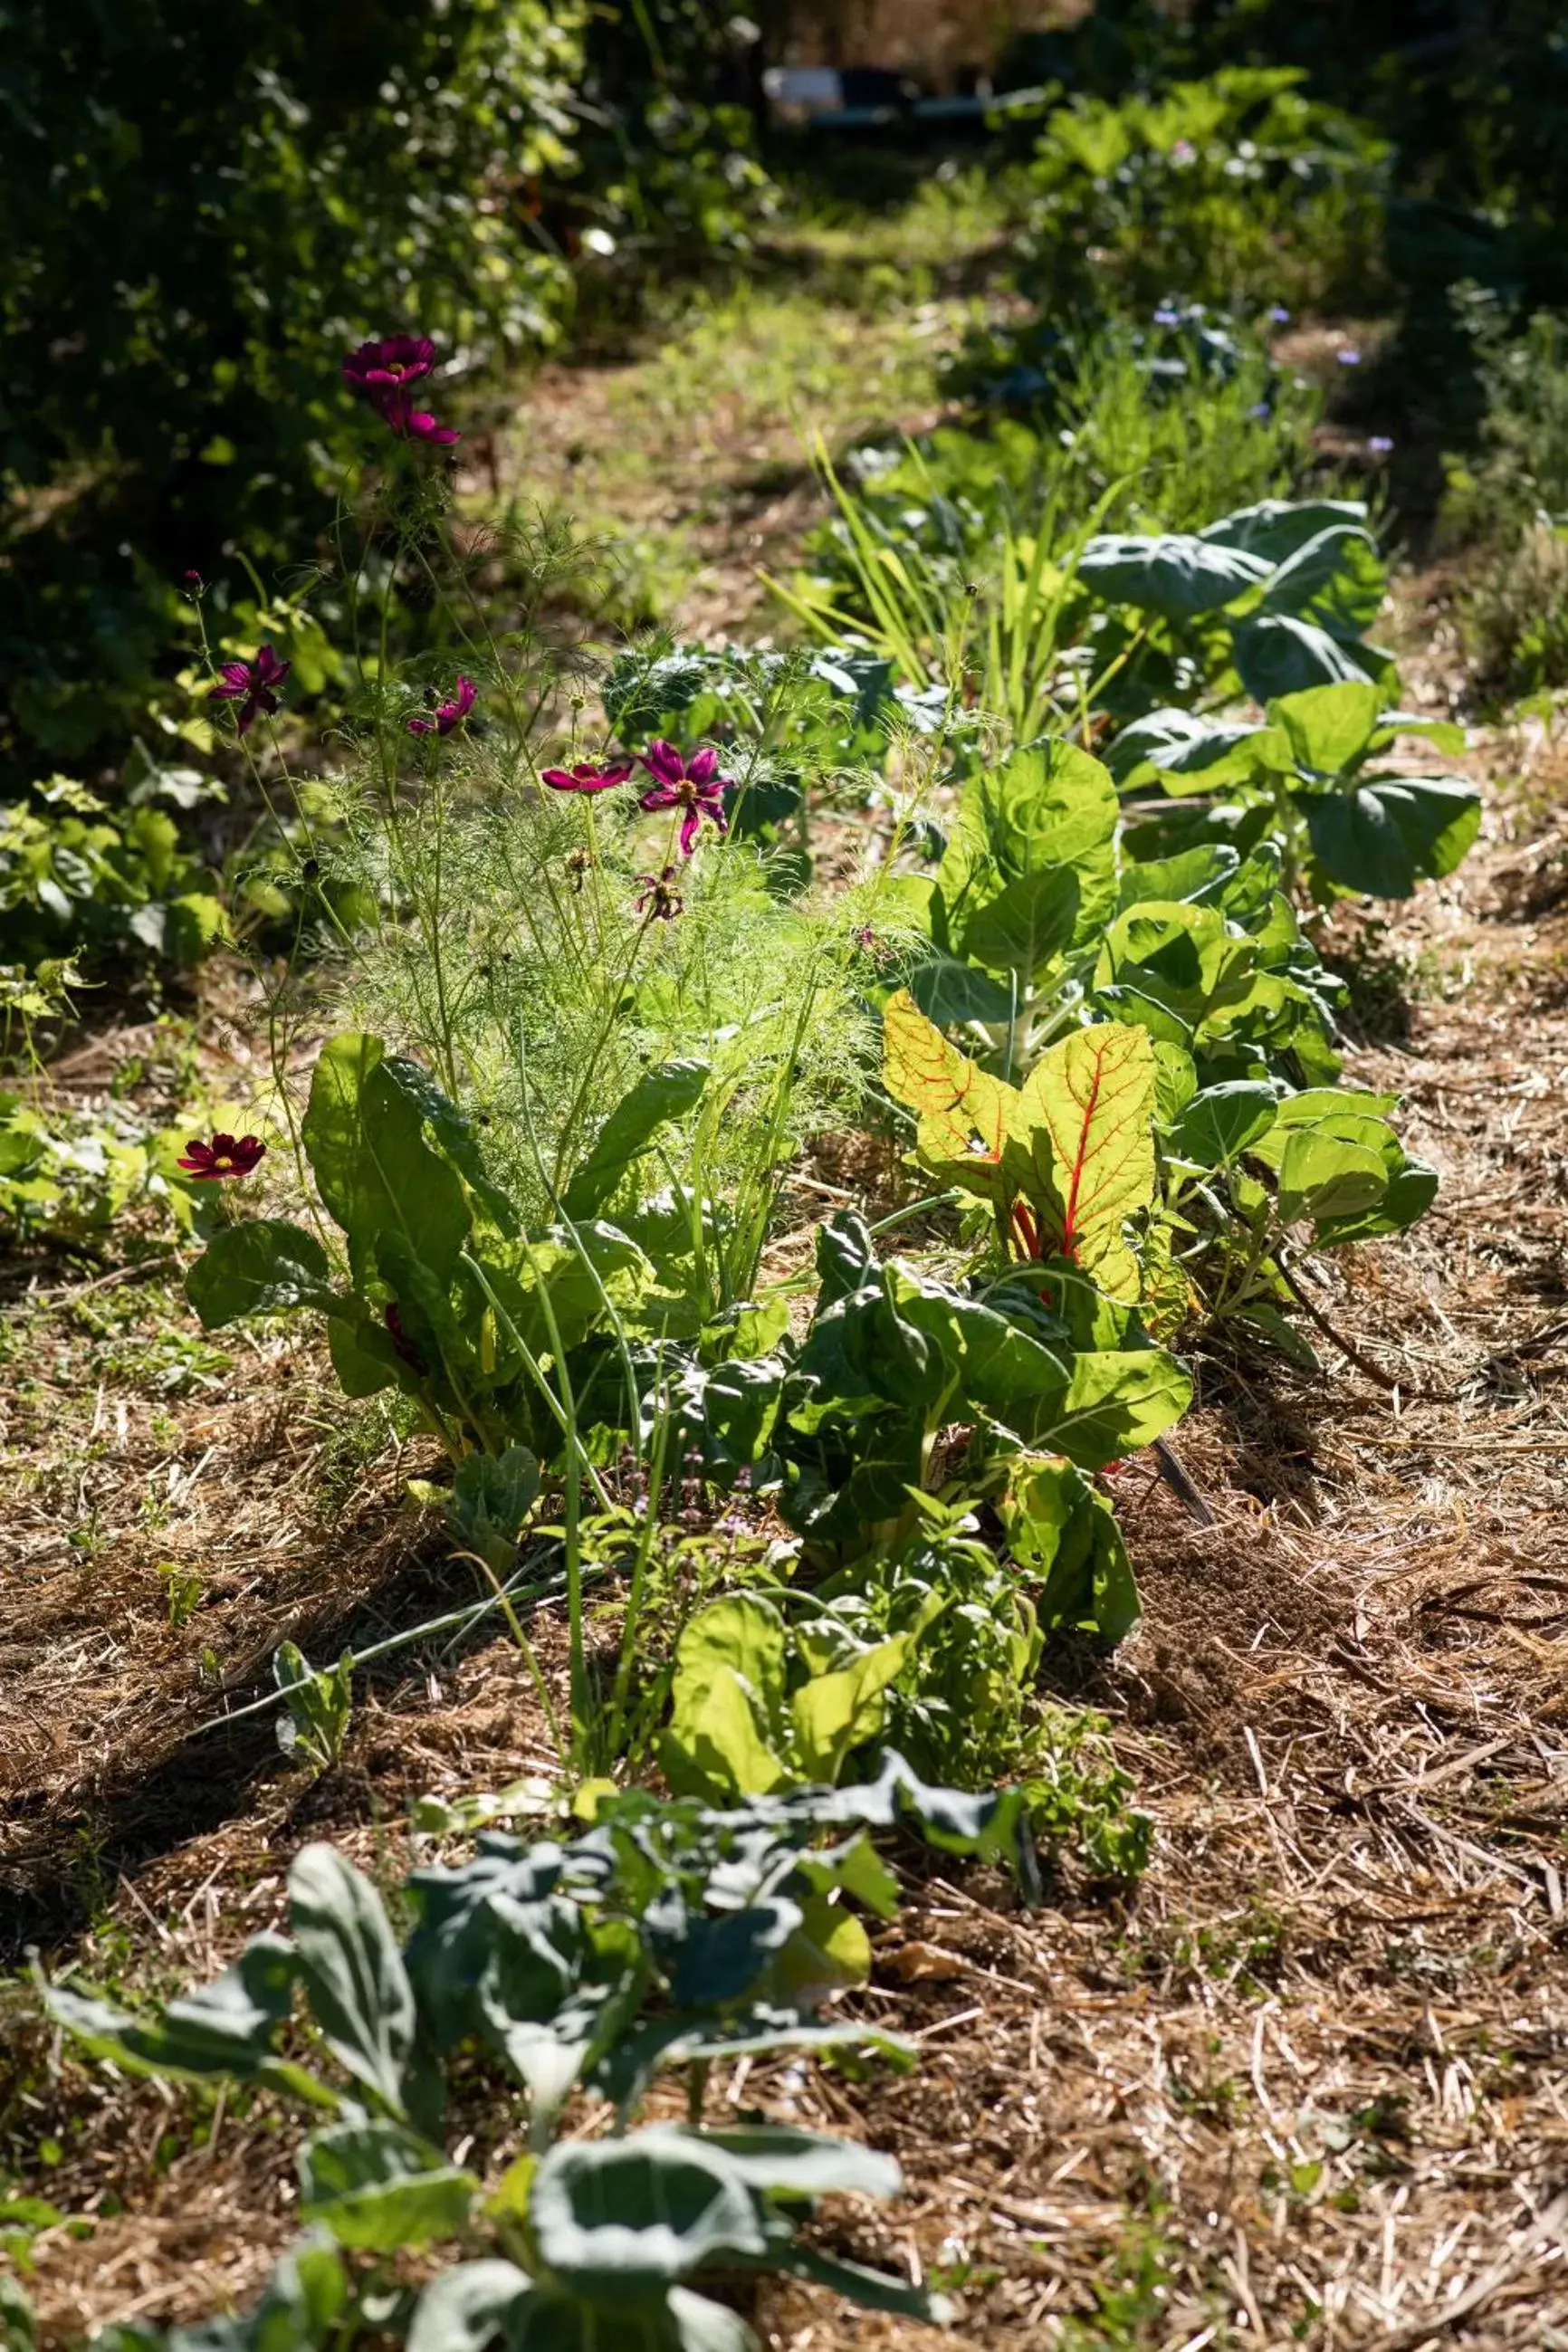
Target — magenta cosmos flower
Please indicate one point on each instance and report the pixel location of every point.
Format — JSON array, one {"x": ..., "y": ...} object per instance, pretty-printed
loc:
[
  {"x": 447, "y": 715},
  {"x": 657, "y": 902},
  {"x": 399, "y": 415},
  {"x": 253, "y": 684},
  {"x": 386, "y": 362},
  {"x": 588, "y": 776},
  {"x": 224, "y": 1156},
  {"x": 693, "y": 784}
]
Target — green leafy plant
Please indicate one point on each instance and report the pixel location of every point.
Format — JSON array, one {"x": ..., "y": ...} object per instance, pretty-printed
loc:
[
  {"x": 317, "y": 1705},
  {"x": 662, "y": 1935},
  {"x": 1357, "y": 827},
  {"x": 78, "y": 877}
]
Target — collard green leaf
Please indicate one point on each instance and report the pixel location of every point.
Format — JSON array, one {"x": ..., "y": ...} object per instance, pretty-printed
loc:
[
  {"x": 1322, "y": 1174},
  {"x": 376, "y": 2187},
  {"x": 228, "y": 2027},
  {"x": 948, "y": 989},
  {"x": 1117, "y": 1400},
  {"x": 1392, "y": 831},
  {"x": 1176, "y": 572},
  {"x": 1326, "y": 727},
  {"x": 669, "y": 1092},
  {"x": 1280, "y": 653},
  {"x": 1049, "y": 806},
  {"x": 1222, "y": 1122},
  {"x": 1311, "y": 567},
  {"x": 265, "y": 1266},
  {"x": 1065, "y": 1533},
  {"x": 1029, "y": 923},
  {"x": 1185, "y": 753},
  {"x": 1275, "y": 527},
  {"x": 617, "y": 2220},
  {"x": 797, "y": 2163},
  {"x": 469, "y": 2306},
  {"x": 492, "y": 1494},
  {"x": 353, "y": 1971}
]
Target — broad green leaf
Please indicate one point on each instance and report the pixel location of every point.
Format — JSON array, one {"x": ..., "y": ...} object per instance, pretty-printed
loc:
[
  {"x": 468, "y": 2307},
  {"x": 699, "y": 2325},
  {"x": 1117, "y": 1400},
  {"x": 1275, "y": 527},
  {"x": 1176, "y": 573},
  {"x": 363, "y": 1134},
  {"x": 1445, "y": 734},
  {"x": 1410, "y": 1192},
  {"x": 669, "y": 1092},
  {"x": 1084, "y": 1148},
  {"x": 1222, "y": 1122},
  {"x": 1323, "y": 1175},
  {"x": 1327, "y": 726},
  {"x": 947, "y": 990},
  {"x": 1028, "y": 922},
  {"x": 798, "y": 2163},
  {"x": 353, "y": 1971},
  {"x": 264, "y": 1266},
  {"x": 1185, "y": 753},
  {"x": 616, "y": 2219},
  {"x": 836, "y": 1712},
  {"x": 1387, "y": 834},
  {"x": 377, "y": 2187},
  {"x": 491, "y": 1498},
  {"x": 1280, "y": 653},
  {"x": 873, "y": 2290},
  {"x": 1065, "y": 1533},
  {"x": 453, "y": 1133},
  {"x": 728, "y": 1696},
  {"x": 228, "y": 2027},
  {"x": 1305, "y": 573},
  {"x": 1050, "y": 805},
  {"x": 963, "y": 1111}
]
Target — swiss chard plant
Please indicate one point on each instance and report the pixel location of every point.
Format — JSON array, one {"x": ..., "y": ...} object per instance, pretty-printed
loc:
[{"x": 664, "y": 1935}]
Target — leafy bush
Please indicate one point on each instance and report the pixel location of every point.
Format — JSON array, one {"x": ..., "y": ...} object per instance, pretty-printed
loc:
[
  {"x": 1238, "y": 190},
  {"x": 78, "y": 877}
]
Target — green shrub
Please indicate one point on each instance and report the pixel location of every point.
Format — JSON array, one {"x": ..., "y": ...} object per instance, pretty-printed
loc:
[{"x": 1238, "y": 190}]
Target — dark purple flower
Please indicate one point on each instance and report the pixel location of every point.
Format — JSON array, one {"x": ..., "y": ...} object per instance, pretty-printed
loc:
[
  {"x": 386, "y": 362},
  {"x": 693, "y": 784},
  {"x": 410, "y": 423},
  {"x": 1380, "y": 445},
  {"x": 221, "y": 1157},
  {"x": 193, "y": 583},
  {"x": 447, "y": 715},
  {"x": 596, "y": 776},
  {"x": 251, "y": 684},
  {"x": 658, "y": 902}
]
